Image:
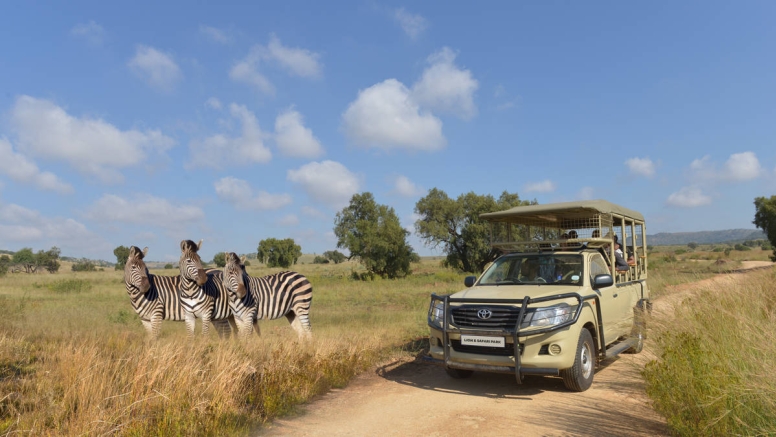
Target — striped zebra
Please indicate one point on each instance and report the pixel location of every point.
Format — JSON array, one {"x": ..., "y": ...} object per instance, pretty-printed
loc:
[
  {"x": 203, "y": 294},
  {"x": 155, "y": 298},
  {"x": 242, "y": 303},
  {"x": 282, "y": 294}
]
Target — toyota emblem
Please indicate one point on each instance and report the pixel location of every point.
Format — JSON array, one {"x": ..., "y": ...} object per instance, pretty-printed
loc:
[{"x": 484, "y": 313}]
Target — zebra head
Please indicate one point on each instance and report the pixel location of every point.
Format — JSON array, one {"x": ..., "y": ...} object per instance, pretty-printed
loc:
[
  {"x": 190, "y": 263},
  {"x": 136, "y": 272},
  {"x": 233, "y": 275}
]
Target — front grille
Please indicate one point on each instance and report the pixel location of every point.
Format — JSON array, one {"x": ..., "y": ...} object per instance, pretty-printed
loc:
[
  {"x": 507, "y": 351},
  {"x": 502, "y": 317}
]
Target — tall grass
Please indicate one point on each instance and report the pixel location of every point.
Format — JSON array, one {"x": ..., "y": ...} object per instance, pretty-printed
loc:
[
  {"x": 717, "y": 360},
  {"x": 74, "y": 359}
]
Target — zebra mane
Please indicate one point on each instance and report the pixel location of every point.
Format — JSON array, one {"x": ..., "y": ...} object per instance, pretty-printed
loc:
[
  {"x": 189, "y": 245},
  {"x": 135, "y": 251}
]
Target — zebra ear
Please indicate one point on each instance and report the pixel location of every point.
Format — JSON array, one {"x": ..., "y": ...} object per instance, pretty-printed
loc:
[
  {"x": 199, "y": 245},
  {"x": 183, "y": 245},
  {"x": 242, "y": 260},
  {"x": 145, "y": 251}
]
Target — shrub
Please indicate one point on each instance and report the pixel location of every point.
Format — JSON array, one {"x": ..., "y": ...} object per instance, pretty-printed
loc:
[
  {"x": 84, "y": 266},
  {"x": 718, "y": 249},
  {"x": 70, "y": 286},
  {"x": 168, "y": 266},
  {"x": 742, "y": 248},
  {"x": 320, "y": 260},
  {"x": 680, "y": 251}
]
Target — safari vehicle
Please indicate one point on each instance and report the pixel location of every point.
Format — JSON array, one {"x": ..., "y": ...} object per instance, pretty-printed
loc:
[{"x": 554, "y": 303}]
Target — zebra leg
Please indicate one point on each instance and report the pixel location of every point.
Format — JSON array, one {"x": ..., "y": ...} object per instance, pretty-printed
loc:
[
  {"x": 298, "y": 325},
  {"x": 256, "y": 327},
  {"x": 206, "y": 317},
  {"x": 156, "y": 325},
  {"x": 148, "y": 325},
  {"x": 190, "y": 320},
  {"x": 222, "y": 328}
]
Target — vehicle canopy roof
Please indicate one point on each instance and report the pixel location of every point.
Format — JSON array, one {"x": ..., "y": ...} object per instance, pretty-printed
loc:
[{"x": 551, "y": 213}]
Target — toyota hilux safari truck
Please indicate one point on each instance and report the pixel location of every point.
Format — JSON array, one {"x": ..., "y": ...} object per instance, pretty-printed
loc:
[{"x": 569, "y": 290}]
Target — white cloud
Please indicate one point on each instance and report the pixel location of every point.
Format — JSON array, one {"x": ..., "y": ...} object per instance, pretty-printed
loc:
[
  {"x": 214, "y": 103},
  {"x": 446, "y": 88},
  {"x": 688, "y": 197},
  {"x": 641, "y": 166},
  {"x": 742, "y": 167},
  {"x": 17, "y": 167},
  {"x": 405, "y": 187},
  {"x": 585, "y": 193},
  {"x": 312, "y": 212},
  {"x": 214, "y": 34},
  {"x": 296, "y": 61},
  {"x": 143, "y": 209},
  {"x": 91, "y": 146},
  {"x": 293, "y": 138},
  {"x": 29, "y": 227},
  {"x": 545, "y": 186},
  {"x": 156, "y": 68},
  {"x": 219, "y": 150},
  {"x": 412, "y": 24},
  {"x": 239, "y": 193},
  {"x": 385, "y": 116},
  {"x": 92, "y": 32},
  {"x": 288, "y": 220},
  {"x": 328, "y": 182}
]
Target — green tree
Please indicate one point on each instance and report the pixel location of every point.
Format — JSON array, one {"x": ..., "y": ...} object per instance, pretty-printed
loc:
[
  {"x": 219, "y": 259},
  {"x": 320, "y": 260},
  {"x": 122, "y": 253},
  {"x": 26, "y": 258},
  {"x": 455, "y": 226},
  {"x": 168, "y": 266},
  {"x": 374, "y": 236},
  {"x": 765, "y": 219},
  {"x": 334, "y": 256},
  {"x": 692, "y": 245},
  {"x": 278, "y": 253},
  {"x": 5, "y": 261},
  {"x": 84, "y": 266},
  {"x": 49, "y": 259}
]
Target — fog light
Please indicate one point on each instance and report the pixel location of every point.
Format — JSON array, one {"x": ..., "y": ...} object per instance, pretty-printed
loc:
[{"x": 554, "y": 349}]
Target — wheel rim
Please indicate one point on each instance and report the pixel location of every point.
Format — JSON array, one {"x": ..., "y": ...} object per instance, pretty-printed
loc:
[{"x": 586, "y": 361}]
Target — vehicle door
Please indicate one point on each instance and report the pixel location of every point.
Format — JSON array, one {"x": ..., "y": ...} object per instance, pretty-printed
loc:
[{"x": 608, "y": 297}]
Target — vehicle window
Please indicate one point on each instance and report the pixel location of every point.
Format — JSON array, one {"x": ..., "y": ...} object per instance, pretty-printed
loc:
[
  {"x": 534, "y": 269},
  {"x": 598, "y": 267}
]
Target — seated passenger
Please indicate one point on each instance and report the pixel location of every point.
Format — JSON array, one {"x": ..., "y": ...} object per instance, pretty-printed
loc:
[{"x": 529, "y": 272}]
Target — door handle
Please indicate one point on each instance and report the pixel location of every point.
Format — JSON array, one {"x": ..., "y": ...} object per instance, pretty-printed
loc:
[{"x": 615, "y": 295}]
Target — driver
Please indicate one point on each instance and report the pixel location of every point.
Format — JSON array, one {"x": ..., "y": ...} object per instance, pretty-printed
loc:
[{"x": 529, "y": 272}]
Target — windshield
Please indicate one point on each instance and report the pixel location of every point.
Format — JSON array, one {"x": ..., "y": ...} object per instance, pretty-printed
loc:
[{"x": 534, "y": 269}]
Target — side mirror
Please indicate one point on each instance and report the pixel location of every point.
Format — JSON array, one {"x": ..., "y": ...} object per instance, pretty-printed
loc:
[
  {"x": 469, "y": 281},
  {"x": 601, "y": 281}
]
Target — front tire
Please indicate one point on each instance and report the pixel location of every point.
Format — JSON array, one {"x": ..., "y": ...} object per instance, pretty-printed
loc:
[
  {"x": 458, "y": 373},
  {"x": 579, "y": 377}
]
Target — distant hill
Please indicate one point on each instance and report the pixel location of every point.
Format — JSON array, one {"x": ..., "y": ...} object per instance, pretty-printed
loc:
[{"x": 705, "y": 237}]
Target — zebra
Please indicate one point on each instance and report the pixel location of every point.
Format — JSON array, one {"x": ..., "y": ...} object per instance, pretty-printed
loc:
[
  {"x": 282, "y": 294},
  {"x": 202, "y": 293},
  {"x": 242, "y": 303},
  {"x": 155, "y": 298}
]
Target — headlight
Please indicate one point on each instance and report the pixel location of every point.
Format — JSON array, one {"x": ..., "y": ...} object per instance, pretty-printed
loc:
[
  {"x": 552, "y": 316},
  {"x": 436, "y": 313}
]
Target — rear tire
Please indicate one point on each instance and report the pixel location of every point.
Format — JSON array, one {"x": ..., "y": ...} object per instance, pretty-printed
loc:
[
  {"x": 458, "y": 373},
  {"x": 579, "y": 377},
  {"x": 639, "y": 331}
]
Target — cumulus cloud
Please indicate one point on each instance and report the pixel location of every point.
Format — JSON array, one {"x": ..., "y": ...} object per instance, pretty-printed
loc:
[
  {"x": 296, "y": 61},
  {"x": 293, "y": 138},
  {"x": 91, "y": 146},
  {"x": 91, "y": 32},
  {"x": 143, "y": 209},
  {"x": 688, "y": 197},
  {"x": 545, "y": 186},
  {"x": 309, "y": 211},
  {"x": 19, "y": 168},
  {"x": 26, "y": 226},
  {"x": 641, "y": 166},
  {"x": 405, "y": 187},
  {"x": 214, "y": 103},
  {"x": 446, "y": 88},
  {"x": 742, "y": 167},
  {"x": 412, "y": 24},
  {"x": 156, "y": 68},
  {"x": 214, "y": 34},
  {"x": 220, "y": 150},
  {"x": 327, "y": 182},
  {"x": 240, "y": 194},
  {"x": 385, "y": 116}
]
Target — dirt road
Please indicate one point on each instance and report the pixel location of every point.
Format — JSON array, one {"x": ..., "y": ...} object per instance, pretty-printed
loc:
[{"x": 412, "y": 398}]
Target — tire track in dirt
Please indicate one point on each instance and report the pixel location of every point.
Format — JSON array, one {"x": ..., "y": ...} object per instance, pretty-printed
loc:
[{"x": 411, "y": 398}]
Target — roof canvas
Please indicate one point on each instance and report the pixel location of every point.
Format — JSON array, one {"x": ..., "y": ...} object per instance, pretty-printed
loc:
[{"x": 551, "y": 212}]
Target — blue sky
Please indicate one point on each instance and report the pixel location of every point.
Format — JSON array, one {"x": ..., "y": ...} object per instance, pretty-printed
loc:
[{"x": 144, "y": 123}]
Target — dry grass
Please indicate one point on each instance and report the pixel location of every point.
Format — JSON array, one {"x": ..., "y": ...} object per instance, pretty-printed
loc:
[
  {"x": 718, "y": 358},
  {"x": 74, "y": 359}
]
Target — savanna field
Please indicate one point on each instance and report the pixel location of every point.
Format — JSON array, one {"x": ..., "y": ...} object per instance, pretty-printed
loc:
[{"x": 75, "y": 360}]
